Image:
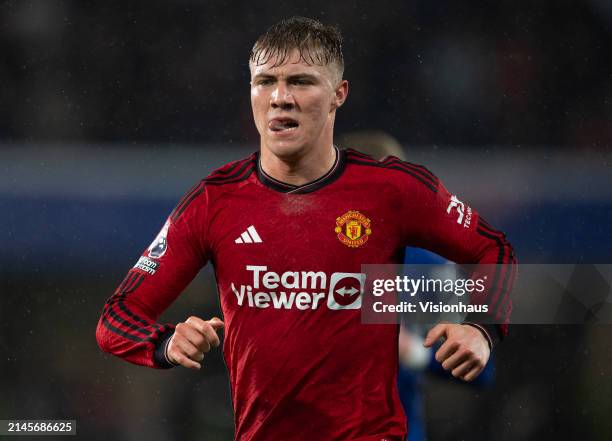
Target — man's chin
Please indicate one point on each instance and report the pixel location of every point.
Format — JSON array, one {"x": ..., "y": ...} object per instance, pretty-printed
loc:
[{"x": 286, "y": 148}]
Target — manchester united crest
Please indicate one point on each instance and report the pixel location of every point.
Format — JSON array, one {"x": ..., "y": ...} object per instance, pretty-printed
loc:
[{"x": 353, "y": 229}]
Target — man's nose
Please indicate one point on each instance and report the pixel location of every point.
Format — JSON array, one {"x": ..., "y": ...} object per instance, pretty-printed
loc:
[{"x": 282, "y": 97}]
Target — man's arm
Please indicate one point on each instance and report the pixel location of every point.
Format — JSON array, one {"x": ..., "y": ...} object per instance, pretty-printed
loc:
[
  {"x": 442, "y": 223},
  {"x": 128, "y": 326}
]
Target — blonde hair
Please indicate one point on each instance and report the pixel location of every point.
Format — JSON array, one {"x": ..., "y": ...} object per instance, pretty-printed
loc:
[{"x": 316, "y": 43}]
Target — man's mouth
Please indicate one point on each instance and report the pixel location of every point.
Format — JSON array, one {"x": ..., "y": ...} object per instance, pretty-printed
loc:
[{"x": 282, "y": 124}]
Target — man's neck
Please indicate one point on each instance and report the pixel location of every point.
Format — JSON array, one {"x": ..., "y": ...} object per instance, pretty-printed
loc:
[{"x": 301, "y": 169}]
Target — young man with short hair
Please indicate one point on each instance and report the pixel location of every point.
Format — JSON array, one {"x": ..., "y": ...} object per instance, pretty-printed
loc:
[{"x": 287, "y": 230}]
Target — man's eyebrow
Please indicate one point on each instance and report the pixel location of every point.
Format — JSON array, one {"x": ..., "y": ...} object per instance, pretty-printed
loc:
[
  {"x": 263, "y": 75},
  {"x": 306, "y": 76},
  {"x": 302, "y": 76}
]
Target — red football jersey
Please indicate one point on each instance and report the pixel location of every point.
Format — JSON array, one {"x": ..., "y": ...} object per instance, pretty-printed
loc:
[{"x": 287, "y": 260}]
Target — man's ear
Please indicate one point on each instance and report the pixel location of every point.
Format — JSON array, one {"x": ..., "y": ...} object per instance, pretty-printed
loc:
[{"x": 341, "y": 93}]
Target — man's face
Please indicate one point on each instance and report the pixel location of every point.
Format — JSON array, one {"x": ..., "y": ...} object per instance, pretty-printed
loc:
[{"x": 294, "y": 105}]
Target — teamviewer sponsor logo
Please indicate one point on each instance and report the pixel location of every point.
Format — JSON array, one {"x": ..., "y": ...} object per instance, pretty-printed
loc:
[
  {"x": 302, "y": 290},
  {"x": 345, "y": 290}
]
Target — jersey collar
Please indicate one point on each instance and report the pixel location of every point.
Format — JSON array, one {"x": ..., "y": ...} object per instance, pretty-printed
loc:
[{"x": 334, "y": 173}]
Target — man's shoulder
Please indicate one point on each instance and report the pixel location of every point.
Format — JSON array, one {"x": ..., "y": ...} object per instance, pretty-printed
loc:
[
  {"x": 218, "y": 181},
  {"x": 233, "y": 170},
  {"x": 391, "y": 169}
]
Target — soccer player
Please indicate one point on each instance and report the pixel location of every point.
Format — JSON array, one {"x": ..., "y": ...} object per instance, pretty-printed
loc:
[{"x": 287, "y": 230}]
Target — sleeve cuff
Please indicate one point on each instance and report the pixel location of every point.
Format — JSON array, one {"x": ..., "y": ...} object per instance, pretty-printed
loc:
[
  {"x": 160, "y": 355},
  {"x": 491, "y": 333}
]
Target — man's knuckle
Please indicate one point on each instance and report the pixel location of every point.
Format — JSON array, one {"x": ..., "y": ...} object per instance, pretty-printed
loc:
[
  {"x": 182, "y": 328},
  {"x": 191, "y": 319},
  {"x": 200, "y": 327},
  {"x": 205, "y": 330}
]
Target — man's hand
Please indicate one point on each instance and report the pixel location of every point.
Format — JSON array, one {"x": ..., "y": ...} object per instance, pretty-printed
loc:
[
  {"x": 191, "y": 340},
  {"x": 465, "y": 351}
]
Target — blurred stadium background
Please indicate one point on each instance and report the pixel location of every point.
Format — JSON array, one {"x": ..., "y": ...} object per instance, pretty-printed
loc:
[{"x": 109, "y": 112}]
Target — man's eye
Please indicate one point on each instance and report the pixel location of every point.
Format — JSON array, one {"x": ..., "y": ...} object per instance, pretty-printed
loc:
[
  {"x": 302, "y": 82},
  {"x": 264, "y": 82}
]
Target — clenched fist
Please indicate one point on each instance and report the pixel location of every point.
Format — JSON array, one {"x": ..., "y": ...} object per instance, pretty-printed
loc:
[
  {"x": 465, "y": 350},
  {"x": 191, "y": 340}
]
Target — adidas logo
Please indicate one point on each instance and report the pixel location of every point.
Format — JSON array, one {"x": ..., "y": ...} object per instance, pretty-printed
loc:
[{"x": 249, "y": 236}]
